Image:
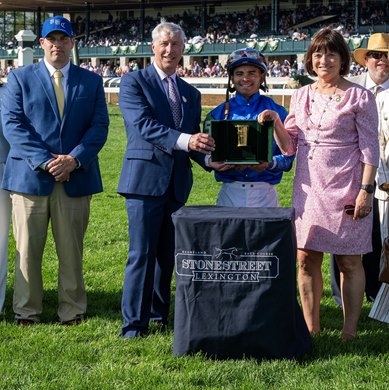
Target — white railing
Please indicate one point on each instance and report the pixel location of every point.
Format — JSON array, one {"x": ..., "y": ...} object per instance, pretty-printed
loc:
[{"x": 217, "y": 86}]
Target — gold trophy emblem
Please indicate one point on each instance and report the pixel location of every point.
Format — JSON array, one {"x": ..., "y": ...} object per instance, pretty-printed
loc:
[{"x": 242, "y": 131}]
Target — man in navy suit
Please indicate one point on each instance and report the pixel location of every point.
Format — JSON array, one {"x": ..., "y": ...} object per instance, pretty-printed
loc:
[
  {"x": 156, "y": 176},
  {"x": 52, "y": 169}
]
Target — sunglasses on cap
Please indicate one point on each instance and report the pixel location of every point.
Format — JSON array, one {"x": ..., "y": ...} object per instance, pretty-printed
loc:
[
  {"x": 377, "y": 55},
  {"x": 247, "y": 53},
  {"x": 246, "y": 56}
]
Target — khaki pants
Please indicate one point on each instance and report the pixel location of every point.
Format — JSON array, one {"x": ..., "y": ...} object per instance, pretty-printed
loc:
[{"x": 69, "y": 219}]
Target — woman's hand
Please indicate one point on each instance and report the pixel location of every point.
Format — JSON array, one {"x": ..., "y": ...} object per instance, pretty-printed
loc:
[
  {"x": 280, "y": 134},
  {"x": 268, "y": 115},
  {"x": 363, "y": 205}
]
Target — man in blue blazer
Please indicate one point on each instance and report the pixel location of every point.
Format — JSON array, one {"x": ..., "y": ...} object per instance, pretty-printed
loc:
[
  {"x": 162, "y": 118},
  {"x": 52, "y": 169}
]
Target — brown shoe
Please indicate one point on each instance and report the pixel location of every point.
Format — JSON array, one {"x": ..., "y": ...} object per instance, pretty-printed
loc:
[
  {"x": 24, "y": 322},
  {"x": 73, "y": 322}
]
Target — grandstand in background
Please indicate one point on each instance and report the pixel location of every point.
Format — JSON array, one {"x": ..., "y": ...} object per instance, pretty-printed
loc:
[{"x": 118, "y": 32}]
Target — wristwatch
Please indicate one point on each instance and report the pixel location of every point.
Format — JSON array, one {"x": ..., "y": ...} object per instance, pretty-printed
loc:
[{"x": 369, "y": 188}]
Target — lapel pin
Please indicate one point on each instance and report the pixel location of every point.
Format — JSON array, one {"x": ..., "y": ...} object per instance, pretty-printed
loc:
[{"x": 184, "y": 99}]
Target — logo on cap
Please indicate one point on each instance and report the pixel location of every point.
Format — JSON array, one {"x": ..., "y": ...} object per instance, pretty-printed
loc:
[{"x": 57, "y": 23}]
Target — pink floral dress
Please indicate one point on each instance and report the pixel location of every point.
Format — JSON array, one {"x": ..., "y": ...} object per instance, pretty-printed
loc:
[{"x": 334, "y": 136}]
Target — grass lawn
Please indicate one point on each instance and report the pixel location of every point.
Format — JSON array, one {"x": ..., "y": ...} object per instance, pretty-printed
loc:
[{"x": 93, "y": 356}]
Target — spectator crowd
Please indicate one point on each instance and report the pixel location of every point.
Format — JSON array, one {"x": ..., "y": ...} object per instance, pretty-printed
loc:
[
  {"x": 276, "y": 68},
  {"x": 230, "y": 27},
  {"x": 253, "y": 24}
]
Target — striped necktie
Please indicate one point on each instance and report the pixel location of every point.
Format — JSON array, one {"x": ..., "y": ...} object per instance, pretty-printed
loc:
[
  {"x": 59, "y": 93},
  {"x": 376, "y": 89},
  {"x": 175, "y": 103}
]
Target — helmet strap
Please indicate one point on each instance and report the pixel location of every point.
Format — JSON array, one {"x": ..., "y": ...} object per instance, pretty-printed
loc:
[
  {"x": 264, "y": 87},
  {"x": 227, "y": 105}
]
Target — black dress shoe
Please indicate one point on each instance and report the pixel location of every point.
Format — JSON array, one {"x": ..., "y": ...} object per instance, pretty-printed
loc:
[{"x": 24, "y": 322}]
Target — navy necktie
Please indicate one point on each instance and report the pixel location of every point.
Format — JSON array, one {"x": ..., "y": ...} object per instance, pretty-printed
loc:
[{"x": 175, "y": 103}]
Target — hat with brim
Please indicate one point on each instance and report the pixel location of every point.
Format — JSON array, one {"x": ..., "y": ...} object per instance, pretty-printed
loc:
[
  {"x": 247, "y": 61},
  {"x": 57, "y": 23},
  {"x": 377, "y": 42}
]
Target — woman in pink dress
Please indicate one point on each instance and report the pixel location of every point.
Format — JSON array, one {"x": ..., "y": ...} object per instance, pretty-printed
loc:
[{"x": 333, "y": 125}]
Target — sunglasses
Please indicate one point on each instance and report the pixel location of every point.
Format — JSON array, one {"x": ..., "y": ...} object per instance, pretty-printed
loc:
[
  {"x": 377, "y": 55},
  {"x": 247, "y": 53},
  {"x": 349, "y": 209}
]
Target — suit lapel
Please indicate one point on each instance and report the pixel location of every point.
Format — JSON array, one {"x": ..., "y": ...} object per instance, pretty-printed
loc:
[
  {"x": 159, "y": 92},
  {"x": 156, "y": 84},
  {"x": 43, "y": 75},
  {"x": 72, "y": 87}
]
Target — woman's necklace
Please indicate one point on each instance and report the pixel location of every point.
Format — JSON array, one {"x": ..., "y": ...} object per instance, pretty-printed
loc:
[{"x": 313, "y": 129}]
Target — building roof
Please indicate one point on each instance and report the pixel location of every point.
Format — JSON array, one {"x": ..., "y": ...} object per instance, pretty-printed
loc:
[{"x": 78, "y": 5}]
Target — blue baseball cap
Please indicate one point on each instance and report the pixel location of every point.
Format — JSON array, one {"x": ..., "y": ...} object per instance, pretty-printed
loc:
[{"x": 57, "y": 23}]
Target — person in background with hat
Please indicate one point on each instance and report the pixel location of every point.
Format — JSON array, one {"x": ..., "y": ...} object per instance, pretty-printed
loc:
[
  {"x": 376, "y": 79},
  {"x": 380, "y": 309},
  {"x": 375, "y": 58},
  {"x": 55, "y": 120},
  {"x": 248, "y": 186}
]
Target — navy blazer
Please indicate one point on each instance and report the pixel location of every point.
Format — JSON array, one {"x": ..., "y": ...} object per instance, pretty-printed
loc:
[
  {"x": 4, "y": 146},
  {"x": 33, "y": 128},
  {"x": 150, "y": 160}
]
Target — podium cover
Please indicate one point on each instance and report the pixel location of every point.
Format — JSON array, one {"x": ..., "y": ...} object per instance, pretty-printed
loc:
[{"x": 236, "y": 283}]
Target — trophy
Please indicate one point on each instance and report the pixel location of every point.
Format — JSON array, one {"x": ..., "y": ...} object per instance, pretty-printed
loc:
[
  {"x": 242, "y": 134},
  {"x": 242, "y": 141}
]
